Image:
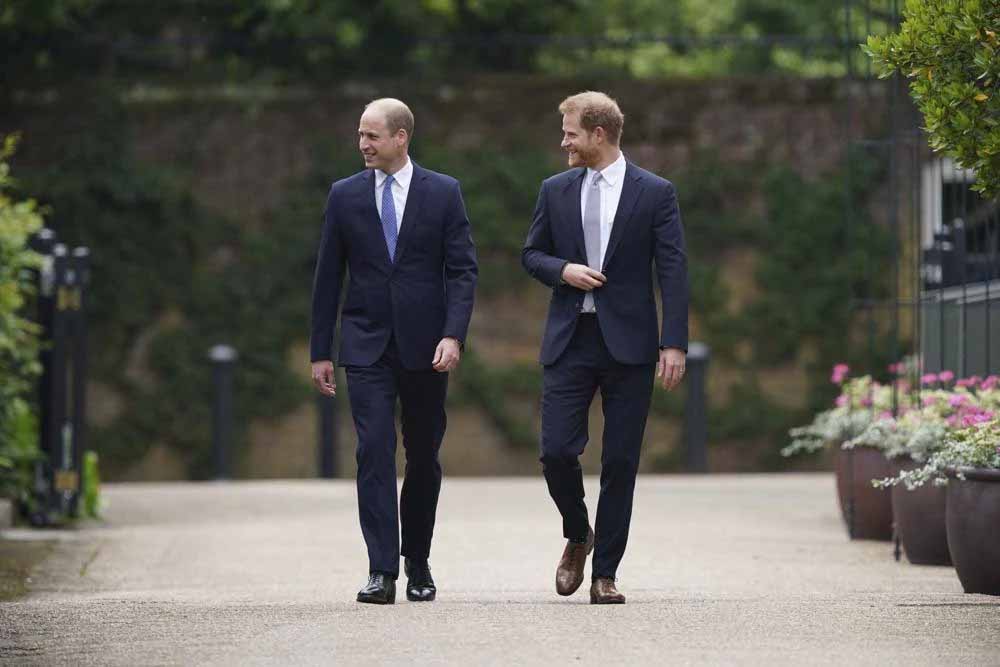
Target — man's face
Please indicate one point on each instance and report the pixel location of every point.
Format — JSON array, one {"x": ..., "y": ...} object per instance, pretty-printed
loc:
[
  {"x": 581, "y": 146},
  {"x": 379, "y": 148}
]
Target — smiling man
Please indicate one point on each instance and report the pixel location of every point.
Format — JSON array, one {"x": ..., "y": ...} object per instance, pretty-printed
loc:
[
  {"x": 596, "y": 233},
  {"x": 402, "y": 233}
]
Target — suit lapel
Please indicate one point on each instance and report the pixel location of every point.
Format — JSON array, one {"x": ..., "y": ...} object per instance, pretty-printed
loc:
[
  {"x": 631, "y": 189},
  {"x": 571, "y": 207},
  {"x": 411, "y": 214}
]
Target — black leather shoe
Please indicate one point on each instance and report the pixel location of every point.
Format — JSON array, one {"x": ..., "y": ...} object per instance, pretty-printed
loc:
[
  {"x": 380, "y": 589},
  {"x": 419, "y": 583}
]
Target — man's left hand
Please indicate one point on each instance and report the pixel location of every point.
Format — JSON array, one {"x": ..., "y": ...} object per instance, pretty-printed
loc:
[
  {"x": 447, "y": 355},
  {"x": 670, "y": 368}
]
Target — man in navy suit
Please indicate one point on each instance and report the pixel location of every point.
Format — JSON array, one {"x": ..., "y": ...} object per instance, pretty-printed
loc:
[
  {"x": 403, "y": 236},
  {"x": 596, "y": 233}
]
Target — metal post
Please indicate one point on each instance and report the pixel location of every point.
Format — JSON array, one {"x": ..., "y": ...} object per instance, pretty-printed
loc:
[
  {"x": 696, "y": 409},
  {"x": 326, "y": 407},
  {"x": 81, "y": 267},
  {"x": 223, "y": 358},
  {"x": 43, "y": 242},
  {"x": 60, "y": 428}
]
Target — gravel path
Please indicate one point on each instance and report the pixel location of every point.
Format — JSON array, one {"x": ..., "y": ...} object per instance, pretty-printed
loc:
[{"x": 720, "y": 569}]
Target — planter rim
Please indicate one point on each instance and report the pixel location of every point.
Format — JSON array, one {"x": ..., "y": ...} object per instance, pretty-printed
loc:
[
  {"x": 975, "y": 474},
  {"x": 869, "y": 448}
]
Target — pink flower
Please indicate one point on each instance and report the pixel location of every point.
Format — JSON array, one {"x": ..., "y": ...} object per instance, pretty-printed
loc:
[
  {"x": 839, "y": 373},
  {"x": 929, "y": 400},
  {"x": 866, "y": 401},
  {"x": 841, "y": 401},
  {"x": 989, "y": 383},
  {"x": 946, "y": 376},
  {"x": 896, "y": 369},
  {"x": 885, "y": 414},
  {"x": 929, "y": 378},
  {"x": 976, "y": 418},
  {"x": 965, "y": 382},
  {"x": 958, "y": 400}
]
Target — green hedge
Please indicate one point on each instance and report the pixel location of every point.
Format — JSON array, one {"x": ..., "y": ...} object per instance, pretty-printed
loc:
[{"x": 19, "y": 344}]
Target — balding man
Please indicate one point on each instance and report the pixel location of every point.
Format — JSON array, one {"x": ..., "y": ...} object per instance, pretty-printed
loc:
[
  {"x": 598, "y": 230},
  {"x": 403, "y": 234}
]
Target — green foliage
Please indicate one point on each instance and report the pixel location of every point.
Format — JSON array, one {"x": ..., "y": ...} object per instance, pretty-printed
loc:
[
  {"x": 813, "y": 262},
  {"x": 500, "y": 222},
  {"x": 950, "y": 51},
  {"x": 19, "y": 344},
  {"x": 57, "y": 40},
  {"x": 170, "y": 280},
  {"x": 90, "y": 486}
]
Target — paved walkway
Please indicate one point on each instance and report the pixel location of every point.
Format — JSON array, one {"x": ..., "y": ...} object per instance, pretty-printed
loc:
[{"x": 748, "y": 570}]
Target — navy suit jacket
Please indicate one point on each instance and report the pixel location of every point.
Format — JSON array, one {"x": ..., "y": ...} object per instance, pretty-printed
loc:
[
  {"x": 426, "y": 294},
  {"x": 647, "y": 229}
]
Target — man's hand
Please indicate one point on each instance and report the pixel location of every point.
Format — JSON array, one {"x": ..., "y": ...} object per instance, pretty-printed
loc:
[
  {"x": 447, "y": 355},
  {"x": 324, "y": 378},
  {"x": 671, "y": 367},
  {"x": 582, "y": 277}
]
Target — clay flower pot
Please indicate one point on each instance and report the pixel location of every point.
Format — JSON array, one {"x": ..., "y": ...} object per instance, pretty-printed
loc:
[
  {"x": 920, "y": 519},
  {"x": 866, "y": 510},
  {"x": 973, "y": 522}
]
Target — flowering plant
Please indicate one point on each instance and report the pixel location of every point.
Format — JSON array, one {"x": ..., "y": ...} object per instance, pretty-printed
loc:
[
  {"x": 976, "y": 446},
  {"x": 863, "y": 416},
  {"x": 916, "y": 432},
  {"x": 861, "y": 400}
]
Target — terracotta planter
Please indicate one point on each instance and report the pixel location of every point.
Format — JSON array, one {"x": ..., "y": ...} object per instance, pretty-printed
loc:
[
  {"x": 920, "y": 519},
  {"x": 973, "y": 520},
  {"x": 866, "y": 510}
]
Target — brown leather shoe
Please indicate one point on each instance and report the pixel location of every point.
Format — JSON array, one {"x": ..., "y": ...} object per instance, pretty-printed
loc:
[
  {"x": 569, "y": 574},
  {"x": 603, "y": 591}
]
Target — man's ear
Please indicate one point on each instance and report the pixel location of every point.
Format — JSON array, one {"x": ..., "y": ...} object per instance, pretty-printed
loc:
[
  {"x": 599, "y": 134},
  {"x": 402, "y": 137}
]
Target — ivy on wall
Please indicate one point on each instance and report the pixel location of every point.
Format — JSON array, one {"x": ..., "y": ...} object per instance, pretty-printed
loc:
[{"x": 171, "y": 279}]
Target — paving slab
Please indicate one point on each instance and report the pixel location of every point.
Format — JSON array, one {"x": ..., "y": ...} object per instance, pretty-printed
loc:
[{"x": 750, "y": 569}]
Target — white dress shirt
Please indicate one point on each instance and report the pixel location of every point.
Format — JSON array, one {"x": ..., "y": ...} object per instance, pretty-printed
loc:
[
  {"x": 612, "y": 178},
  {"x": 611, "y": 192},
  {"x": 400, "y": 189}
]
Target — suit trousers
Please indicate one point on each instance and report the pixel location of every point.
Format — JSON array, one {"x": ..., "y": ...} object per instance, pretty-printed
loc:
[
  {"x": 373, "y": 393},
  {"x": 568, "y": 389}
]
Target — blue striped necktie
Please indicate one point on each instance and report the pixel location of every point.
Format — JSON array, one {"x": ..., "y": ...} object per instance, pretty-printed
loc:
[{"x": 389, "y": 229}]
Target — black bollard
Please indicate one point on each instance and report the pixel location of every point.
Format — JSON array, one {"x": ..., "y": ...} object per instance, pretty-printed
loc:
[
  {"x": 223, "y": 358},
  {"x": 43, "y": 242},
  {"x": 326, "y": 407},
  {"x": 80, "y": 263},
  {"x": 60, "y": 427},
  {"x": 696, "y": 409}
]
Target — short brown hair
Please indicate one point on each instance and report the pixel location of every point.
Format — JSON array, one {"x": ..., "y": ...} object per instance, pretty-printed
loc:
[
  {"x": 397, "y": 115},
  {"x": 596, "y": 110}
]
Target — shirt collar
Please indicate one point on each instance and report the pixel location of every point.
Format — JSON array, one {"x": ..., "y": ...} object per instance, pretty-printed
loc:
[
  {"x": 612, "y": 172},
  {"x": 402, "y": 176}
]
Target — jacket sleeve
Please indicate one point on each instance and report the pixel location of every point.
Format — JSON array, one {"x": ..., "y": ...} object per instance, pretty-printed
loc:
[
  {"x": 671, "y": 269},
  {"x": 537, "y": 257},
  {"x": 326, "y": 285},
  {"x": 461, "y": 270}
]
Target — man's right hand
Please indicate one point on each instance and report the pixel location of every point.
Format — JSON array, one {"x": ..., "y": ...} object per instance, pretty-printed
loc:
[
  {"x": 324, "y": 378},
  {"x": 582, "y": 277}
]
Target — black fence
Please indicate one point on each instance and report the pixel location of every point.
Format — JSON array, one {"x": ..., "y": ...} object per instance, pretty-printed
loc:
[{"x": 938, "y": 296}]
